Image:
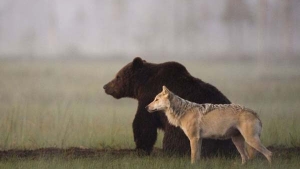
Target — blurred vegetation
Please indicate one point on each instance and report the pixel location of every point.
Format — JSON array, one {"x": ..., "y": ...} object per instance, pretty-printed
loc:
[{"x": 62, "y": 103}]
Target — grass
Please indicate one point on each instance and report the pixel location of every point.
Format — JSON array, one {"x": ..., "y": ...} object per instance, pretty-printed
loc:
[
  {"x": 151, "y": 162},
  {"x": 54, "y": 104},
  {"x": 62, "y": 104}
]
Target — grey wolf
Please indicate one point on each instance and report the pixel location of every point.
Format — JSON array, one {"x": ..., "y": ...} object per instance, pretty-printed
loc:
[{"x": 216, "y": 121}]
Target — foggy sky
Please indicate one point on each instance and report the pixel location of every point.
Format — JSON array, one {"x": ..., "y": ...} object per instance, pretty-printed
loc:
[{"x": 105, "y": 28}]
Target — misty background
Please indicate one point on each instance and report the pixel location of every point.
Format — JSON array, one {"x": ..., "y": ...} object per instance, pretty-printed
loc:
[{"x": 149, "y": 28}]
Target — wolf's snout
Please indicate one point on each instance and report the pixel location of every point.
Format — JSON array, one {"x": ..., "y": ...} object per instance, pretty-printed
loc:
[{"x": 148, "y": 109}]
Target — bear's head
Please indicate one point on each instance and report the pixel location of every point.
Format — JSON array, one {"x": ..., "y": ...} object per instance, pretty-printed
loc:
[{"x": 124, "y": 83}]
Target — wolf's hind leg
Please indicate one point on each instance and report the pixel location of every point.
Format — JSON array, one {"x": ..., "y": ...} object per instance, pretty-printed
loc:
[
  {"x": 256, "y": 143},
  {"x": 239, "y": 143},
  {"x": 251, "y": 152}
]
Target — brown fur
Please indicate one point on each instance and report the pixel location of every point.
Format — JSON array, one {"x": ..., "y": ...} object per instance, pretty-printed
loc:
[{"x": 216, "y": 121}]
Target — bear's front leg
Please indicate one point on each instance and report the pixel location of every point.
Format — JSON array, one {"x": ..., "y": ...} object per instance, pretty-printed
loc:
[
  {"x": 175, "y": 141},
  {"x": 144, "y": 131}
]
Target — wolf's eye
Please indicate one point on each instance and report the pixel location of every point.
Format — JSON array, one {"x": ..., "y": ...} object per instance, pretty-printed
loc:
[{"x": 156, "y": 100}]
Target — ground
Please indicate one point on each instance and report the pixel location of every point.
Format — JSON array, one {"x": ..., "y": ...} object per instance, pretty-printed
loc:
[{"x": 77, "y": 152}]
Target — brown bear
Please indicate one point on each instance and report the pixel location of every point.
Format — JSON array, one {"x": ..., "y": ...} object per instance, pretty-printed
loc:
[{"x": 142, "y": 80}]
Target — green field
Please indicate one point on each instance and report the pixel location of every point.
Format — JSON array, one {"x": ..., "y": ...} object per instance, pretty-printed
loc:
[{"x": 62, "y": 104}]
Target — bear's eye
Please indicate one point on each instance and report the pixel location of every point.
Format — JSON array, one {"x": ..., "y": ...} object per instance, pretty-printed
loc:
[
  {"x": 118, "y": 77},
  {"x": 156, "y": 100}
]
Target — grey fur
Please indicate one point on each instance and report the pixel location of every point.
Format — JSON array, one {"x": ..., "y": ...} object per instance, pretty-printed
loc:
[{"x": 179, "y": 106}]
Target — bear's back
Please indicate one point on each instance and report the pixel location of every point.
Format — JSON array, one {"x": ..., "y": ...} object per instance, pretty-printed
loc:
[{"x": 177, "y": 78}]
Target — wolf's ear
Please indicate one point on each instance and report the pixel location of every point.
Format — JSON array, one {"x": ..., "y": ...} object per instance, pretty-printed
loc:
[
  {"x": 165, "y": 90},
  {"x": 137, "y": 63}
]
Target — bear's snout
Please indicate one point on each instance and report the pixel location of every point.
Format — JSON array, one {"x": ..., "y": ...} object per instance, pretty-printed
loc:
[
  {"x": 105, "y": 87},
  {"x": 111, "y": 89}
]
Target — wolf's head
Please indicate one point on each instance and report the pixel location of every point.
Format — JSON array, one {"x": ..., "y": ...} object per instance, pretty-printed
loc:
[{"x": 160, "y": 102}]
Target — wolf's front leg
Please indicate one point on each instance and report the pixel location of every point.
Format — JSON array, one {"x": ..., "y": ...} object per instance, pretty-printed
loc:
[{"x": 195, "y": 154}]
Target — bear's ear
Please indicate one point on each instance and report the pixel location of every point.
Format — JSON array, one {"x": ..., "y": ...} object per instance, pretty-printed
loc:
[{"x": 137, "y": 63}]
